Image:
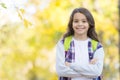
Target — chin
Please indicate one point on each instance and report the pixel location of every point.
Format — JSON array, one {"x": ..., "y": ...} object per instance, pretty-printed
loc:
[{"x": 81, "y": 33}]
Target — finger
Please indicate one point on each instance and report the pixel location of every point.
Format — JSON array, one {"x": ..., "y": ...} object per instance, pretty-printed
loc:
[
  {"x": 67, "y": 63},
  {"x": 93, "y": 61}
]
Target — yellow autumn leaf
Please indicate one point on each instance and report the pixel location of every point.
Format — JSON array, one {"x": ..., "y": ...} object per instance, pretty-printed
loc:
[
  {"x": 22, "y": 11},
  {"x": 20, "y": 16},
  {"x": 26, "y": 23}
]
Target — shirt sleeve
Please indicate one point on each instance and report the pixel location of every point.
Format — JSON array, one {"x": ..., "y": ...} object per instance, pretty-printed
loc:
[
  {"x": 61, "y": 69},
  {"x": 91, "y": 70}
]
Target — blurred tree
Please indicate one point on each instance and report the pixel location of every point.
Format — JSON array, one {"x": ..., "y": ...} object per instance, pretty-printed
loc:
[{"x": 27, "y": 53}]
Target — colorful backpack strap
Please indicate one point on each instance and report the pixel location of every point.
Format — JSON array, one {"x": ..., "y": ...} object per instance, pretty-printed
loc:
[
  {"x": 67, "y": 41},
  {"x": 94, "y": 44}
]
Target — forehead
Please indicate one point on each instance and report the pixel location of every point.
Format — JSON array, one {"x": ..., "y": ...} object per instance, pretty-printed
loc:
[{"x": 79, "y": 16}]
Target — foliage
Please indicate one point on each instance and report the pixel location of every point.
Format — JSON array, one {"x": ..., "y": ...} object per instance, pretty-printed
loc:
[{"x": 27, "y": 50}]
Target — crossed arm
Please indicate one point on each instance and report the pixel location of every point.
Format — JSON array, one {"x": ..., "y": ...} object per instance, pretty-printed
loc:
[{"x": 91, "y": 70}]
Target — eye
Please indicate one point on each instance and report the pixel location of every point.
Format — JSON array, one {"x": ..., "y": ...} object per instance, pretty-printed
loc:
[
  {"x": 75, "y": 21},
  {"x": 84, "y": 21}
]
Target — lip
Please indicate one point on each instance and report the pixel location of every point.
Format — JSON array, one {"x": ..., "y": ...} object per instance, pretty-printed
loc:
[{"x": 80, "y": 28}]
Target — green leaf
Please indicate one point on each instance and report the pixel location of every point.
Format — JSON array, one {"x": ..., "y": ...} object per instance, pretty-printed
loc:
[{"x": 3, "y": 5}]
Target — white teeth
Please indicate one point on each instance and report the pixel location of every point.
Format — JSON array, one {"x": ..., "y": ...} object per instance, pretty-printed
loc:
[{"x": 79, "y": 28}]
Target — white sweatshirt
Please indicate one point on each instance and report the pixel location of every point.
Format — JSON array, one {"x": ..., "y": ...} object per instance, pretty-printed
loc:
[{"x": 81, "y": 69}]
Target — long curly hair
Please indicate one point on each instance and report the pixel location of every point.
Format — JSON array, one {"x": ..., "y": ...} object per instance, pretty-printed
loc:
[{"x": 91, "y": 31}]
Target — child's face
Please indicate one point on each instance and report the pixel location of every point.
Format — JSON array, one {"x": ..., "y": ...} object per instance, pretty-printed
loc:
[{"x": 80, "y": 24}]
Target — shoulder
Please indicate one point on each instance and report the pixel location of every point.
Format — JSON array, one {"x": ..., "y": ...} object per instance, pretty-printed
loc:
[
  {"x": 99, "y": 49},
  {"x": 96, "y": 45},
  {"x": 60, "y": 42},
  {"x": 60, "y": 46},
  {"x": 64, "y": 40},
  {"x": 99, "y": 45}
]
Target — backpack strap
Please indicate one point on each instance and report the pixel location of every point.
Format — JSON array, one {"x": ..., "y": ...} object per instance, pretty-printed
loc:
[
  {"x": 67, "y": 41},
  {"x": 94, "y": 44}
]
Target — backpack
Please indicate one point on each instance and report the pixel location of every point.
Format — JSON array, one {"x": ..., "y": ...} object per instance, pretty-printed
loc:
[{"x": 67, "y": 44}]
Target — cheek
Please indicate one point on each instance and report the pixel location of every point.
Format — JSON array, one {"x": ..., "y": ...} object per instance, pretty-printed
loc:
[
  {"x": 88, "y": 26},
  {"x": 73, "y": 24}
]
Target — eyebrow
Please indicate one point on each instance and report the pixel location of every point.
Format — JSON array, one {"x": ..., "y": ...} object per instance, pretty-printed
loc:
[{"x": 78, "y": 19}]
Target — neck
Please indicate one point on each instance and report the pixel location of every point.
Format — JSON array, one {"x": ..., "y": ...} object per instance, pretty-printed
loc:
[{"x": 80, "y": 37}]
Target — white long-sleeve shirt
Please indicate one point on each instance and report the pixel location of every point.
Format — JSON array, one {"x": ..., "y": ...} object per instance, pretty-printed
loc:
[{"x": 81, "y": 69}]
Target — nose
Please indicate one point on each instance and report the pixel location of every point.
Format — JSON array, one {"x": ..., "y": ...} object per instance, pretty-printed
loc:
[{"x": 80, "y": 23}]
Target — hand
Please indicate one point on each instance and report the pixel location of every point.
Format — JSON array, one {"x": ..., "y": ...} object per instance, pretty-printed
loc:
[
  {"x": 67, "y": 63},
  {"x": 93, "y": 61}
]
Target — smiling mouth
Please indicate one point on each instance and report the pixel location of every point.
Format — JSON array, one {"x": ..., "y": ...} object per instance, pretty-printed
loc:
[{"x": 80, "y": 28}]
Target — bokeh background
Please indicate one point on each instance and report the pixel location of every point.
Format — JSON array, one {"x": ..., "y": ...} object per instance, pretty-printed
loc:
[{"x": 30, "y": 29}]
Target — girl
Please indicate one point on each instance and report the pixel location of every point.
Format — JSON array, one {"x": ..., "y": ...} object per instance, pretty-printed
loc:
[{"x": 80, "y": 55}]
